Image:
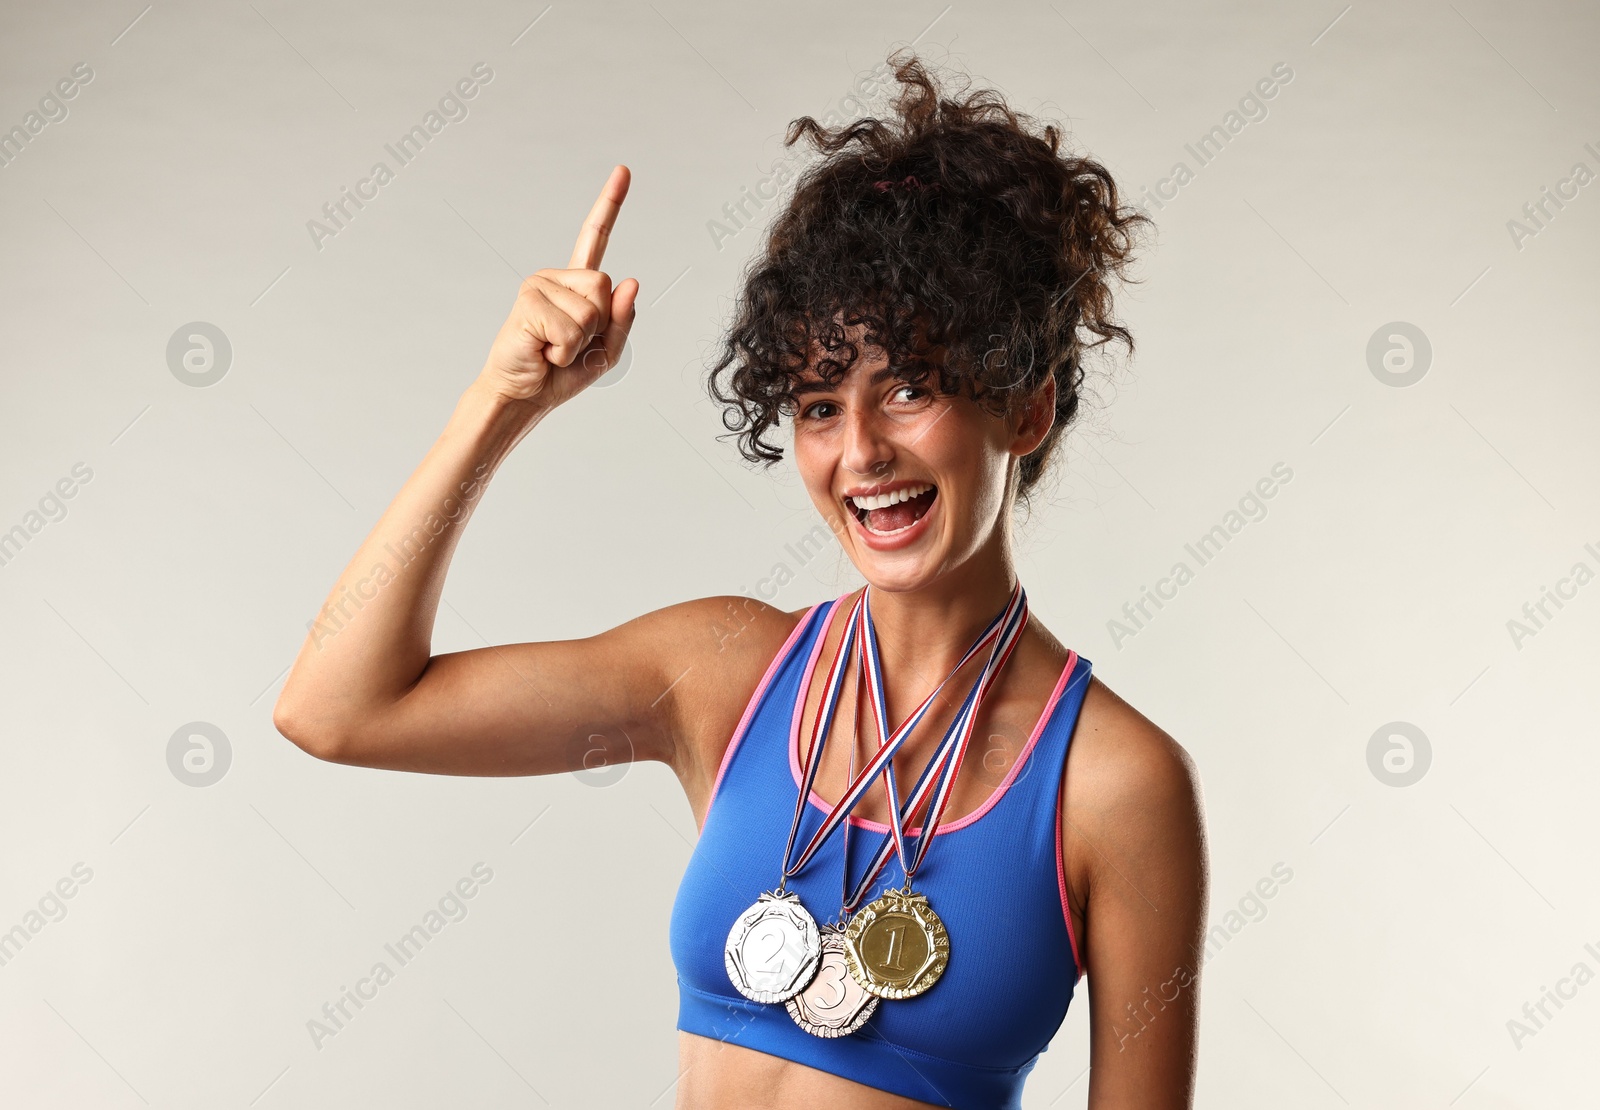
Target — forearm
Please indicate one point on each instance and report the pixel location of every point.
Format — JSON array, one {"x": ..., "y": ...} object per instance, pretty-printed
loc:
[{"x": 372, "y": 638}]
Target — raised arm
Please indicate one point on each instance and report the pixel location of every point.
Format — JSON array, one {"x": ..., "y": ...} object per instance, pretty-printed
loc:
[{"x": 365, "y": 689}]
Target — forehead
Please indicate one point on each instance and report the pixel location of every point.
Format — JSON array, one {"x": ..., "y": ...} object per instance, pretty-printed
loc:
[
  {"x": 871, "y": 364},
  {"x": 811, "y": 382},
  {"x": 872, "y": 360}
]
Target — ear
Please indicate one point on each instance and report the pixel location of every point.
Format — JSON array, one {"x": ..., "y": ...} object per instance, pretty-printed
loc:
[{"x": 1036, "y": 418}]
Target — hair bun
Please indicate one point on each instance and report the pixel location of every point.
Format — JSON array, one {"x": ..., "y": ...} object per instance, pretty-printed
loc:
[{"x": 1008, "y": 279}]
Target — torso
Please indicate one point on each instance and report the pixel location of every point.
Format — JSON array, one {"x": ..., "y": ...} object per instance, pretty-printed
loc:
[{"x": 715, "y": 1075}]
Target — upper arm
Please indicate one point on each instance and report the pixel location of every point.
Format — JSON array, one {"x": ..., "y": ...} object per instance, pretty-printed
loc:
[
  {"x": 630, "y": 693},
  {"x": 1134, "y": 826}
]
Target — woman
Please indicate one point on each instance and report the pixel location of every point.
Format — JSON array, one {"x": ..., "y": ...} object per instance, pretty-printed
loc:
[{"x": 919, "y": 314}]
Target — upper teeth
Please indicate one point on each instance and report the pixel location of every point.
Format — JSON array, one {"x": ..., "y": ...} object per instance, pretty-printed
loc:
[{"x": 884, "y": 500}]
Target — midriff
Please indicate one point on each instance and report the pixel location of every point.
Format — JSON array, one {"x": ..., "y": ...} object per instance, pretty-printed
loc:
[{"x": 718, "y": 1075}]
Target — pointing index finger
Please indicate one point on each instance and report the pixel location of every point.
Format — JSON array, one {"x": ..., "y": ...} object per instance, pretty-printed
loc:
[{"x": 596, "y": 231}]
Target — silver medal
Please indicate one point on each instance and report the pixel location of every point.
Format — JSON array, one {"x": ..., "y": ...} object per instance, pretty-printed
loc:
[
  {"x": 833, "y": 1004},
  {"x": 773, "y": 948}
]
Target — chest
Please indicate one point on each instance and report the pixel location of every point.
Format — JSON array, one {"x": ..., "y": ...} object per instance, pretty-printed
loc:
[
  {"x": 993, "y": 883},
  {"x": 1006, "y": 728}
]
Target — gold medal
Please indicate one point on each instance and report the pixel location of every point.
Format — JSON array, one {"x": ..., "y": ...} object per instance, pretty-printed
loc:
[{"x": 896, "y": 946}]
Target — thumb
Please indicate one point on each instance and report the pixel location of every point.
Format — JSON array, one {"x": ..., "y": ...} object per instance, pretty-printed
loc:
[
  {"x": 605, "y": 349},
  {"x": 624, "y": 307}
]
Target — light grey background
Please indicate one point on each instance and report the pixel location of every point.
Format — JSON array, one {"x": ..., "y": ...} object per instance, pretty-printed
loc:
[{"x": 1378, "y": 587}]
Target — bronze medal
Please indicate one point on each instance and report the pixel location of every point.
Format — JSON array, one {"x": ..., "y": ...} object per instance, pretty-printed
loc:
[{"x": 833, "y": 1003}]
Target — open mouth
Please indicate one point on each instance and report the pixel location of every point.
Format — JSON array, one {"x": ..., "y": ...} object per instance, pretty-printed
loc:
[{"x": 890, "y": 513}]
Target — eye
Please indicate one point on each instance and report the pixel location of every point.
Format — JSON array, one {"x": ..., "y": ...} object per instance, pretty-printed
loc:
[
  {"x": 810, "y": 411},
  {"x": 922, "y": 394}
]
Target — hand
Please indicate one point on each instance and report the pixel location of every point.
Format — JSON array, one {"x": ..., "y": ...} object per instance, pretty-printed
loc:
[{"x": 569, "y": 326}]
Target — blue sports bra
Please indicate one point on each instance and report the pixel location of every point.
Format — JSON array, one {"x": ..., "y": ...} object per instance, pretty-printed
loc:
[{"x": 995, "y": 877}]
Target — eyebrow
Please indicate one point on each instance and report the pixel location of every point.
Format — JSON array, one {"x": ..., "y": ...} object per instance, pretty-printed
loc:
[{"x": 817, "y": 385}]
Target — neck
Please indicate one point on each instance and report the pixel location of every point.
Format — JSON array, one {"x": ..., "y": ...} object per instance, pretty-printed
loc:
[{"x": 922, "y": 633}]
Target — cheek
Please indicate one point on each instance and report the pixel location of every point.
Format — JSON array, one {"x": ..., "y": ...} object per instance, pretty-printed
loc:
[
  {"x": 811, "y": 462},
  {"x": 980, "y": 493},
  {"x": 815, "y": 464},
  {"x": 975, "y": 472},
  {"x": 962, "y": 448}
]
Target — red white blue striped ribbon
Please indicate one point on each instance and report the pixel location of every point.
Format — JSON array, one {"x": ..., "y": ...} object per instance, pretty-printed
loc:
[
  {"x": 886, "y": 752},
  {"x": 940, "y": 773}
]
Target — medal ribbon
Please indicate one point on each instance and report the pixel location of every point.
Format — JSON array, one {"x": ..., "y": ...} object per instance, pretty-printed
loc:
[
  {"x": 942, "y": 768},
  {"x": 886, "y": 752},
  {"x": 830, "y": 699},
  {"x": 844, "y": 848}
]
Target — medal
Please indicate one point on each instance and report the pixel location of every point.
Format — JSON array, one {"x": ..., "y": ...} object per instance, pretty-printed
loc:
[
  {"x": 897, "y": 946},
  {"x": 833, "y": 1003},
  {"x": 774, "y": 947}
]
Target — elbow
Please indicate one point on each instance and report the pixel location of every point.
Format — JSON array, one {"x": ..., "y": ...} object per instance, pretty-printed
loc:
[{"x": 315, "y": 740}]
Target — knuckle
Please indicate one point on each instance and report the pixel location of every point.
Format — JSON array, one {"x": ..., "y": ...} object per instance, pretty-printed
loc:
[{"x": 571, "y": 331}]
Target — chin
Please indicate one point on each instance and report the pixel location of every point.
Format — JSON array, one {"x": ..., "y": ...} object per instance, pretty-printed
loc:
[{"x": 901, "y": 563}]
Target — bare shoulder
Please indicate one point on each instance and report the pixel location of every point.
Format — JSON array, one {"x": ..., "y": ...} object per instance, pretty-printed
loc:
[
  {"x": 1133, "y": 808},
  {"x": 720, "y": 648},
  {"x": 1122, "y": 761}
]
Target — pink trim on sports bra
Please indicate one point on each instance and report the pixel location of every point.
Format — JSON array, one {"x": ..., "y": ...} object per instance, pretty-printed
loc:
[
  {"x": 944, "y": 826},
  {"x": 755, "y": 700},
  {"x": 1061, "y": 882}
]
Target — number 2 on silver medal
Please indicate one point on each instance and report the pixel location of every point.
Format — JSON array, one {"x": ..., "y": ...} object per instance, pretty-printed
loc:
[{"x": 766, "y": 951}]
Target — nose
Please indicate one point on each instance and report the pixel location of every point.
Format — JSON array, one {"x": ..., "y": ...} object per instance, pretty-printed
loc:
[{"x": 866, "y": 450}]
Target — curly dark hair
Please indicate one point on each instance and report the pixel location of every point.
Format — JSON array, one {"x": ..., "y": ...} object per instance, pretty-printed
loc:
[{"x": 991, "y": 266}]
